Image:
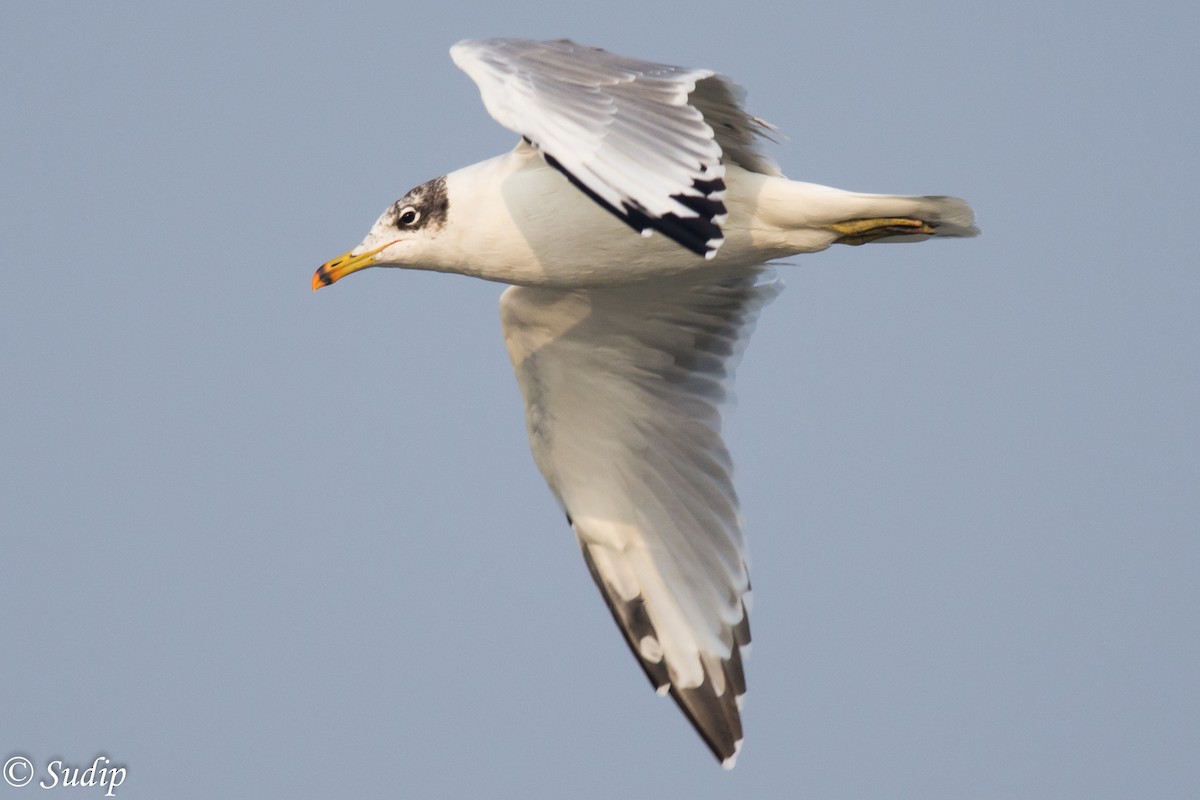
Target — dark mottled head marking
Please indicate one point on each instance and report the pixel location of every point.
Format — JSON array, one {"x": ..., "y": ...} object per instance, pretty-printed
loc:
[{"x": 423, "y": 208}]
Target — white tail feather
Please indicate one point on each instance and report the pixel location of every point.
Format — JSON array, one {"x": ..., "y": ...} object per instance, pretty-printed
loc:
[{"x": 803, "y": 212}]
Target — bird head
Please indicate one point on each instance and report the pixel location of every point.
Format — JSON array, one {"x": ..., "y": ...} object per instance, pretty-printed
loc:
[{"x": 399, "y": 238}]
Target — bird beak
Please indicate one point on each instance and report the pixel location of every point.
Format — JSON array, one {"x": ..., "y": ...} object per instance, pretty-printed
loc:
[{"x": 343, "y": 265}]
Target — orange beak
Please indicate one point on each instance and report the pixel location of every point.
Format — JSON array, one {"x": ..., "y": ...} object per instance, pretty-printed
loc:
[{"x": 343, "y": 265}]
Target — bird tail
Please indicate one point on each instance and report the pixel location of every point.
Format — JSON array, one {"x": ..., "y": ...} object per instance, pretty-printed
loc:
[{"x": 812, "y": 217}]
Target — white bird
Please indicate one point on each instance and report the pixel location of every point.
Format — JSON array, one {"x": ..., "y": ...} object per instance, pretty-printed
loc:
[{"x": 623, "y": 344}]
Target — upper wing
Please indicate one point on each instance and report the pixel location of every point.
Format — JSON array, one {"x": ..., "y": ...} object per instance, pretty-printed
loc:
[
  {"x": 643, "y": 140},
  {"x": 622, "y": 389}
]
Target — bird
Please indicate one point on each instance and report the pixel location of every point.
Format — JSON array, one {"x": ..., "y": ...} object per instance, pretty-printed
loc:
[{"x": 635, "y": 223}]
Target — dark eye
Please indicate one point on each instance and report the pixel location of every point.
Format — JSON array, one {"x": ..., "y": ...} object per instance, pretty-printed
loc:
[{"x": 408, "y": 216}]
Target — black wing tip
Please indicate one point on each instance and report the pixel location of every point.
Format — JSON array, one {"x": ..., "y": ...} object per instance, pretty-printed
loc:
[
  {"x": 715, "y": 717},
  {"x": 700, "y": 234}
]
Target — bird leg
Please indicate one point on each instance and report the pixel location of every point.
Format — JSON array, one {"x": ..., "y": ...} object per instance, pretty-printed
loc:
[{"x": 861, "y": 231}]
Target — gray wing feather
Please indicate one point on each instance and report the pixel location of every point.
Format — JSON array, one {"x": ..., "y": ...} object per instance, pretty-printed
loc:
[{"x": 623, "y": 390}]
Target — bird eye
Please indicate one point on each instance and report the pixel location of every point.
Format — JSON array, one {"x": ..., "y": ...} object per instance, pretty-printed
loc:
[{"x": 408, "y": 216}]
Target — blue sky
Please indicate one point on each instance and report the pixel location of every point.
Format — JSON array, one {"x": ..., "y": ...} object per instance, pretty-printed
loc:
[{"x": 260, "y": 542}]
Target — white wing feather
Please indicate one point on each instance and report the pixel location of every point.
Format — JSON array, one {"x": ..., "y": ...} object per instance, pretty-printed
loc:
[
  {"x": 644, "y": 140},
  {"x": 622, "y": 389}
]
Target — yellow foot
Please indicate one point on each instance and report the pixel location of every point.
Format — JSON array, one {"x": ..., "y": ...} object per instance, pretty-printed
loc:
[{"x": 861, "y": 231}]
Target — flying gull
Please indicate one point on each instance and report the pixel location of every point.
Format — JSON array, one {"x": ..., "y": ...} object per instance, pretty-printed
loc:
[{"x": 624, "y": 344}]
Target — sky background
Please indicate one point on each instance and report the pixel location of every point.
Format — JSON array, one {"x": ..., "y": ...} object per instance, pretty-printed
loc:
[{"x": 259, "y": 542}]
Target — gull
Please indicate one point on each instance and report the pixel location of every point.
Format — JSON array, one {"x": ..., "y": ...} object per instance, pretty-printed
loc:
[{"x": 634, "y": 222}]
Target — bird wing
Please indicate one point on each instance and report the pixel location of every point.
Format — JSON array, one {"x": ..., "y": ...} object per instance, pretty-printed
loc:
[
  {"x": 623, "y": 388},
  {"x": 643, "y": 140}
]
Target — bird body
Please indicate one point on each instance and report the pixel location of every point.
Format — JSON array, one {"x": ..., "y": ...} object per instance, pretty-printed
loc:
[
  {"x": 634, "y": 220},
  {"x": 517, "y": 220}
]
